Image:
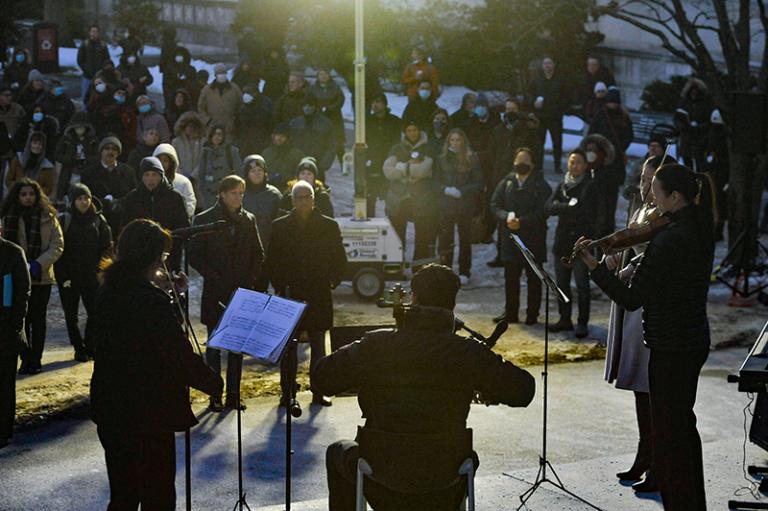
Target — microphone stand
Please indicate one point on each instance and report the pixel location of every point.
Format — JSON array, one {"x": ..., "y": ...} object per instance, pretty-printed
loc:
[{"x": 289, "y": 364}]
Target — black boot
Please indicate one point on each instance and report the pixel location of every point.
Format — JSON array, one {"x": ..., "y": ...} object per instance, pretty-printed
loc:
[
  {"x": 81, "y": 355},
  {"x": 641, "y": 464},
  {"x": 648, "y": 485}
]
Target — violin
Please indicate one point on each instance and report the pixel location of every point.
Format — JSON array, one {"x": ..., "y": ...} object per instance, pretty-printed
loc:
[{"x": 639, "y": 232}]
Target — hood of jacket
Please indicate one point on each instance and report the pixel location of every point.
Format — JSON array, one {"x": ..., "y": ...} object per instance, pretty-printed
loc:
[
  {"x": 423, "y": 139},
  {"x": 168, "y": 150},
  {"x": 189, "y": 119},
  {"x": 699, "y": 84},
  {"x": 80, "y": 119},
  {"x": 604, "y": 143},
  {"x": 180, "y": 50}
]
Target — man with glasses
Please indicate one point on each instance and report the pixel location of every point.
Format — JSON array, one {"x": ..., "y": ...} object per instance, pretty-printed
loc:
[
  {"x": 110, "y": 181},
  {"x": 11, "y": 113},
  {"x": 290, "y": 105},
  {"x": 306, "y": 254}
]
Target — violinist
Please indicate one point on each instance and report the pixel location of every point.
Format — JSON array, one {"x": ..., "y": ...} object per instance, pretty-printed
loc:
[
  {"x": 671, "y": 283},
  {"x": 576, "y": 202},
  {"x": 626, "y": 363}
]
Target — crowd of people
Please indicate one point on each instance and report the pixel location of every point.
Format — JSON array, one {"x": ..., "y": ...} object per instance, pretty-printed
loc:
[{"x": 255, "y": 156}]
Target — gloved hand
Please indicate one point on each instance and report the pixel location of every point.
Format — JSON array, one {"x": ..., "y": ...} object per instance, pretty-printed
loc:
[
  {"x": 449, "y": 191},
  {"x": 67, "y": 283},
  {"x": 34, "y": 269},
  {"x": 457, "y": 193}
]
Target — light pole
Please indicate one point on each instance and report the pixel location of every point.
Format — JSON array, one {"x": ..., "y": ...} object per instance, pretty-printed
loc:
[{"x": 361, "y": 148}]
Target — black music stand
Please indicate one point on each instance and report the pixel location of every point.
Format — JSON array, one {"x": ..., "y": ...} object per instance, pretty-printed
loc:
[{"x": 541, "y": 476}]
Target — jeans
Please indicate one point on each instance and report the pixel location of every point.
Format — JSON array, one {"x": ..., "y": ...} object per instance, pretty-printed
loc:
[
  {"x": 70, "y": 302},
  {"x": 234, "y": 366},
  {"x": 83, "y": 89},
  {"x": 512, "y": 273},
  {"x": 673, "y": 378},
  {"x": 141, "y": 470},
  {"x": 35, "y": 325},
  {"x": 563, "y": 279},
  {"x": 447, "y": 241}
]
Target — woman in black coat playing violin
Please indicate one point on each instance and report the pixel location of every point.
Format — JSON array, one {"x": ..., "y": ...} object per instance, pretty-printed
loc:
[{"x": 671, "y": 283}]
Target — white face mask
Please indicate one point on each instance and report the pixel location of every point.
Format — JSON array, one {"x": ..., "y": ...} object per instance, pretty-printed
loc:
[
  {"x": 131, "y": 60},
  {"x": 247, "y": 98},
  {"x": 221, "y": 78},
  {"x": 101, "y": 87},
  {"x": 80, "y": 130},
  {"x": 591, "y": 157},
  {"x": 179, "y": 59}
]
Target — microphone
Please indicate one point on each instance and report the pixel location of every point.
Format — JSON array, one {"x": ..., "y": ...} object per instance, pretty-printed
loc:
[{"x": 188, "y": 232}]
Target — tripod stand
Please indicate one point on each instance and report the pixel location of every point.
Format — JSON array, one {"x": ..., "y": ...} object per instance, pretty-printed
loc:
[
  {"x": 541, "y": 476},
  {"x": 744, "y": 267}
]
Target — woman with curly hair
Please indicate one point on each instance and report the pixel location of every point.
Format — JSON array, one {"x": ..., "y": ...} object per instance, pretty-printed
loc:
[{"x": 30, "y": 221}]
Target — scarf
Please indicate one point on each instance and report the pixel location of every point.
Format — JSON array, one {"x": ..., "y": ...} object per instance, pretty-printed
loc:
[
  {"x": 571, "y": 182},
  {"x": 32, "y": 221}
]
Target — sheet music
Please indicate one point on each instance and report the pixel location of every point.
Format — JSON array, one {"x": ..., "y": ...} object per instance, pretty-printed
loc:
[{"x": 257, "y": 324}]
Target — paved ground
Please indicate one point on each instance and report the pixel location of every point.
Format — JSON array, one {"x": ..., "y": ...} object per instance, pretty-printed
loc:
[{"x": 591, "y": 435}]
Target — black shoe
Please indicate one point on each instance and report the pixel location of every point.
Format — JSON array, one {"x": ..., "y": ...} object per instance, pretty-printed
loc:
[
  {"x": 581, "y": 331},
  {"x": 81, "y": 355},
  {"x": 506, "y": 316},
  {"x": 215, "y": 404},
  {"x": 641, "y": 464},
  {"x": 36, "y": 367},
  {"x": 531, "y": 320},
  {"x": 496, "y": 263},
  {"x": 283, "y": 402},
  {"x": 234, "y": 402},
  {"x": 647, "y": 485},
  {"x": 3, "y": 442},
  {"x": 318, "y": 399},
  {"x": 563, "y": 325},
  {"x": 25, "y": 365}
]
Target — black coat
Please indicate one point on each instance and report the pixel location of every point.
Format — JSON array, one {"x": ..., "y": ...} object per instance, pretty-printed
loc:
[
  {"x": 575, "y": 221},
  {"x": 253, "y": 125},
  {"x": 322, "y": 199},
  {"x": 469, "y": 183},
  {"x": 553, "y": 90},
  {"x": 421, "y": 378},
  {"x": 381, "y": 134},
  {"x": 60, "y": 107},
  {"x": 134, "y": 159},
  {"x": 311, "y": 260},
  {"x": 263, "y": 203},
  {"x": 75, "y": 154},
  {"x": 671, "y": 284},
  {"x": 90, "y": 57},
  {"x": 227, "y": 259},
  {"x": 144, "y": 362},
  {"x": 116, "y": 183},
  {"x": 616, "y": 126},
  {"x": 87, "y": 239},
  {"x": 529, "y": 204},
  {"x": 282, "y": 162},
  {"x": 315, "y": 136},
  {"x": 420, "y": 111},
  {"x": 165, "y": 206},
  {"x": 13, "y": 262}
]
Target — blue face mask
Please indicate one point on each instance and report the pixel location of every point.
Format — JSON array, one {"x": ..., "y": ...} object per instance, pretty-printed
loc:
[
  {"x": 451, "y": 149},
  {"x": 20, "y": 58},
  {"x": 424, "y": 94},
  {"x": 481, "y": 111},
  {"x": 145, "y": 108},
  {"x": 120, "y": 100},
  {"x": 58, "y": 91},
  {"x": 38, "y": 116}
]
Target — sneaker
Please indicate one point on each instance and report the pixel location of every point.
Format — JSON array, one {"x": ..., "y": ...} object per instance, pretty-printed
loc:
[
  {"x": 319, "y": 399},
  {"x": 564, "y": 325},
  {"x": 582, "y": 331},
  {"x": 464, "y": 279}
]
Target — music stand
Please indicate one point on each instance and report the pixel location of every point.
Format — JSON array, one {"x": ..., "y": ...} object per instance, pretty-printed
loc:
[{"x": 541, "y": 476}]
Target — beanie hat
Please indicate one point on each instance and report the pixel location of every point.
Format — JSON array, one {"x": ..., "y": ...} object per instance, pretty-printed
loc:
[
  {"x": 111, "y": 139},
  {"x": 219, "y": 69},
  {"x": 35, "y": 75},
  {"x": 482, "y": 100},
  {"x": 151, "y": 164},
  {"x": 380, "y": 96},
  {"x": 307, "y": 163},
  {"x": 410, "y": 122},
  {"x": 613, "y": 96},
  {"x": 659, "y": 139},
  {"x": 282, "y": 128},
  {"x": 253, "y": 161},
  {"x": 600, "y": 86},
  {"x": 78, "y": 190}
]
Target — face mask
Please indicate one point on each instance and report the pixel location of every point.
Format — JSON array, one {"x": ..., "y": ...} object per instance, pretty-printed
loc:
[
  {"x": 247, "y": 98},
  {"x": 20, "y": 58},
  {"x": 522, "y": 169},
  {"x": 591, "y": 157},
  {"x": 481, "y": 111},
  {"x": 451, "y": 149},
  {"x": 80, "y": 130},
  {"x": 58, "y": 91},
  {"x": 221, "y": 78},
  {"x": 439, "y": 125},
  {"x": 120, "y": 100},
  {"x": 131, "y": 60},
  {"x": 179, "y": 59},
  {"x": 308, "y": 109},
  {"x": 145, "y": 108},
  {"x": 38, "y": 116},
  {"x": 416, "y": 61},
  {"x": 101, "y": 87},
  {"x": 424, "y": 94}
]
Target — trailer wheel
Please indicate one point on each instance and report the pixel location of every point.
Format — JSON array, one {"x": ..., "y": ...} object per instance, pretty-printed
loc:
[{"x": 368, "y": 283}]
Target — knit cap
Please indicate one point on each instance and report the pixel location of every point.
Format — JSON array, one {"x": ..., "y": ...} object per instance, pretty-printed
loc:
[
  {"x": 111, "y": 139},
  {"x": 151, "y": 164},
  {"x": 254, "y": 161},
  {"x": 307, "y": 163},
  {"x": 600, "y": 86},
  {"x": 78, "y": 190},
  {"x": 613, "y": 96},
  {"x": 35, "y": 75}
]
